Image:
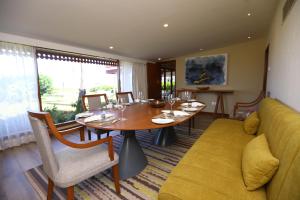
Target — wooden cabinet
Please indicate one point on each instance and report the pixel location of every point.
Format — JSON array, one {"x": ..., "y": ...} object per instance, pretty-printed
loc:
[{"x": 154, "y": 81}]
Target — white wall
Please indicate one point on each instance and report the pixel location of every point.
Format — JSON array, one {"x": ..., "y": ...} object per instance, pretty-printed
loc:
[
  {"x": 284, "y": 57},
  {"x": 52, "y": 45}
]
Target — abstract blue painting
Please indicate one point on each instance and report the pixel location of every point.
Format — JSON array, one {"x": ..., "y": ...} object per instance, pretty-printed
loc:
[{"x": 206, "y": 70}]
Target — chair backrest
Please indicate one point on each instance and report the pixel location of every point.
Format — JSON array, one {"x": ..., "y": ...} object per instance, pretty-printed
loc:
[
  {"x": 94, "y": 101},
  {"x": 186, "y": 93},
  {"x": 41, "y": 133},
  {"x": 127, "y": 96}
]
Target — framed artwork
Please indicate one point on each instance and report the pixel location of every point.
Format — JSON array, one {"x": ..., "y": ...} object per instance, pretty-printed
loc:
[{"x": 206, "y": 70}]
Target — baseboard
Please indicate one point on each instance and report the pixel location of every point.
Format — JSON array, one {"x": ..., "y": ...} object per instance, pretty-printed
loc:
[{"x": 218, "y": 115}]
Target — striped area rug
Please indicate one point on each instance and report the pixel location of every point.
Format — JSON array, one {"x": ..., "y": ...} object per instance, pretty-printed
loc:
[{"x": 161, "y": 161}]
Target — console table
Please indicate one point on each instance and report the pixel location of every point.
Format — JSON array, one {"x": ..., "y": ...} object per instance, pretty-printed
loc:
[{"x": 220, "y": 101}]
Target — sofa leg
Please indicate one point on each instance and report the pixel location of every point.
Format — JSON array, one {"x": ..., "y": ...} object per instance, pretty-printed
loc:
[
  {"x": 50, "y": 189},
  {"x": 115, "y": 173},
  {"x": 70, "y": 193}
]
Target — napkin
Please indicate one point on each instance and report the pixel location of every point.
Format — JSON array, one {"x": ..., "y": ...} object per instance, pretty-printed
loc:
[
  {"x": 177, "y": 113},
  {"x": 84, "y": 114},
  {"x": 103, "y": 117}
]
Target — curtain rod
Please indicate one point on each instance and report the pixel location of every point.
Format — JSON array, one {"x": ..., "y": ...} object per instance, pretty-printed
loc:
[{"x": 62, "y": 51}]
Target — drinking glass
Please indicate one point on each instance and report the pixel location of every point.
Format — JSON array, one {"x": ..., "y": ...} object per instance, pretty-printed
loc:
[
  {"x": 171, "y": 101},
  {"x": 122, "y": 106},
  {"x": 140, "y": 96}
]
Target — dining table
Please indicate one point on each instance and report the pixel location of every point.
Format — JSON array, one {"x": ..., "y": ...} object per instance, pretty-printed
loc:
[{"x": 139, "y": 116}]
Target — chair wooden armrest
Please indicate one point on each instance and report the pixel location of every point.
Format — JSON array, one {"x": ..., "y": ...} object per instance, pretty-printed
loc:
[
  {"x": 239, "y": 105},
  {"x": 71, "y": 130},
  {"x": 46, "y": 117}
]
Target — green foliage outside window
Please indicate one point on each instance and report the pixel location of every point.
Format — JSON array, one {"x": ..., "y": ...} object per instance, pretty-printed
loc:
[
  {"x": 46, "y": 85},
  {"x": 168, "y": 85}
]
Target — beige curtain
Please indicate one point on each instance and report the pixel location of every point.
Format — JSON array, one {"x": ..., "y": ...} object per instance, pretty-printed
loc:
[{"x": 139, "y": 79}]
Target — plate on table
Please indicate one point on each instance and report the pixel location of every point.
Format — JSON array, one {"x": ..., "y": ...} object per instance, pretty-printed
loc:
[
  {"x": 193, "y": 104},
  {"x": 83, "y": 115},
  {"x": 162, "y": 121},
  {"x": 189, "y": 109}
]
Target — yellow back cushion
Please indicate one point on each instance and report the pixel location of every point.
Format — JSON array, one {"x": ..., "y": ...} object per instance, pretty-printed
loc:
[
  {"x": 281, "y": 126},
  {"x": 258, "y": 164},
  {"x": 251, "y": 123}
]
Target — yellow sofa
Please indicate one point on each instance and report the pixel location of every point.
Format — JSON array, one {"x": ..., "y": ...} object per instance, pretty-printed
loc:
[{"x": 211, "y": 169}]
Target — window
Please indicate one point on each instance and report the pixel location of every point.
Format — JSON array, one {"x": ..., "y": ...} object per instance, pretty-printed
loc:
[{"x": 64, "y": 79}]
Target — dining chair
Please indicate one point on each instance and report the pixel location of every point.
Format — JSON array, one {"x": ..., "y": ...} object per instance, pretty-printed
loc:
[
  {"x": 127, "y": 96},
  {"x": 94, "y": 101},
  {"x": 184, "y": 93},
  {"x": 76, "y": 162},
  {"x": 91, "y": 103}
]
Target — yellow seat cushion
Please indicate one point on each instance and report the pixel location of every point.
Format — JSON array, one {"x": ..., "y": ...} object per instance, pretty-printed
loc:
[
  {"x": 258, "y": 164},
  {"x": 251, "y": 123},
  {"x": 211, "y": 169}
]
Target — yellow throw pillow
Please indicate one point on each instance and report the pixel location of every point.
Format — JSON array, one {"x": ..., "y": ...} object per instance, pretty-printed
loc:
[
  {"x": 258, "y": 163},
  {"x": 251, "y": 123}
]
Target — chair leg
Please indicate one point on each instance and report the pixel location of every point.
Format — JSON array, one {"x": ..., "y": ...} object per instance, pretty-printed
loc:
[
  {"x": 89, "y": 135},
  {"x": 70, "y": 193},
  {"x": 50, "y": 189},
  {"x": 115, "y": 173},
  {"x": 82, "y": 134}
]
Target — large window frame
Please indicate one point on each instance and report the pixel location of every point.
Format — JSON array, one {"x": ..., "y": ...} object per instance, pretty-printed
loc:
[{"x": 50, "y": 54}]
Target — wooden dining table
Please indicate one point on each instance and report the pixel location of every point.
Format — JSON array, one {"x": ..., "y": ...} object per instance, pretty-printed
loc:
[{"x": 132, "y": 159}]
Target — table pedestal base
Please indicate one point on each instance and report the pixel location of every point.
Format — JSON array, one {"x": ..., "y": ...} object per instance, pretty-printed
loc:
[
  {"x": 165, "y": 136},
  {"x": 132, "y": 159}
]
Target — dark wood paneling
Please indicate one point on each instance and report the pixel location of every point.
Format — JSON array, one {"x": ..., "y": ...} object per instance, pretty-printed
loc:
[{"x": 154, "y": 81}]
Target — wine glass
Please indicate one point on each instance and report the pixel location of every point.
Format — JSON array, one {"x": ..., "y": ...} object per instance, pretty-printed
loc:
[
  {"x": 171, "y": 101},
  {"x": 122, "y": 106},
  {"x": 140, "y": 96}
]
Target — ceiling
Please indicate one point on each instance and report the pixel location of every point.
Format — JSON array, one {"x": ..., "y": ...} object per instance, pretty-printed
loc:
[{"x": 135, "y": 27}]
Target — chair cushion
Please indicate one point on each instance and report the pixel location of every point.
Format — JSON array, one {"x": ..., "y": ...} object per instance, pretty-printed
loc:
[
  {"x": 76, "y": 165},
  {"x": 251, "y": 123},
  {"x": 258, "y": 164}
]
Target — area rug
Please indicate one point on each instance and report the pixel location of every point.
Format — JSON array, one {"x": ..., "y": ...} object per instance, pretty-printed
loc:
[{"x": 145, "y": 185}]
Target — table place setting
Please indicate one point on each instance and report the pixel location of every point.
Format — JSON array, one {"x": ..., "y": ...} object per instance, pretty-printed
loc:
[
  {"x": 192, "y": 104},
  {"x": 176, "y": 113},
  {"x": 83, "y": 115}
]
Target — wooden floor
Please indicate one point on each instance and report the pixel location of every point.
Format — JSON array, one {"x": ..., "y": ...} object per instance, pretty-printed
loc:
[{"x": 15, "y": 161}]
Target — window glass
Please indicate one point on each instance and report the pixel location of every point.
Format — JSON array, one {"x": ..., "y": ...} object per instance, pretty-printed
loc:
[{"x": 63, "y": 82}]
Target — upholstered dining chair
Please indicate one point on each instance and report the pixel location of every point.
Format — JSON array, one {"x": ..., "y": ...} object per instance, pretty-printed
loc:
[
  {"x": 91, "y": 103},
  {"x": 127, "y": 96},
  {"x": 189, "y": 92},
  {"x": 76, "y": 162}
]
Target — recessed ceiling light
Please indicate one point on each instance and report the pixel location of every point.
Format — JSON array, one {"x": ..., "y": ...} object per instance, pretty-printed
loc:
[
  {"x": 158, "y": 58},
  {"x": 249, "y": 37},
  {"x": 201, "y": 49},
  {"x": 249, "y": 14},
  {"x": 166, "y": 25},
  {"x": 111, "y": 47}
]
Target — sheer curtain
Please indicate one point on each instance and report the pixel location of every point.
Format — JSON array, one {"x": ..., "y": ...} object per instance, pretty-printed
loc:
[
  {"x": 126, "y": 76},
  {"x": 18, "y": 93},
  {"x": 139, "y": 79}
]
